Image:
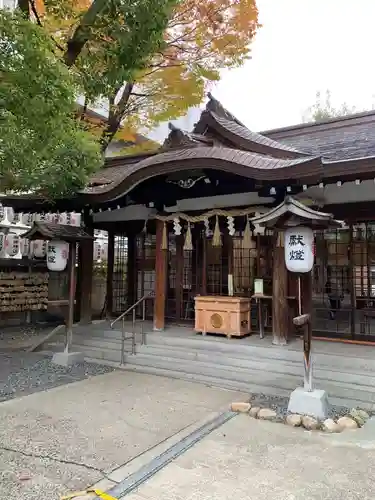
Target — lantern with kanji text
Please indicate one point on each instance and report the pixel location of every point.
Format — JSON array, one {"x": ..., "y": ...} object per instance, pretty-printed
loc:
[{"x": 57, "y": 255}]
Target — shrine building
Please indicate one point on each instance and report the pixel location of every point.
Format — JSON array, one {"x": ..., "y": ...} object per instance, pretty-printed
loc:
[{"x": 182, "y": 217}]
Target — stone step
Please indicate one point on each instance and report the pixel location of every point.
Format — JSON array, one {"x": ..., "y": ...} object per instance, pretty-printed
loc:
[
  {"x": 231, "y": 347},
  {"x": 294, "y": 368},
  {"x": 98, "y": 352},
  {"x": 240, "y": 386},
  {"x": 276, "y": 381}
]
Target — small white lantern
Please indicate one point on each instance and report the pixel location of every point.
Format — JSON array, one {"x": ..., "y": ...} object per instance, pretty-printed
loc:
[
  {"x": 39, "y": 248},
  {"x": 27, "y": 219},
  {"x": 25, "y": 247},
  {"x": 57, "y": 255},
  {"x": 299, "y": 249},
  {"x": 6, "y": 216},
  {"x": 75, "y": 219},
  {"x": 13, "y": 245},
  {"x": 63, "y": 218},
  {"x": 3, "y": 245},
  {"x": 40, "y": 217}
]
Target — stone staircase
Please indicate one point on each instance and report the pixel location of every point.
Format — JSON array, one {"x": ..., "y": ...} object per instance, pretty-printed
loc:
[{"x": 347, "y": 373}]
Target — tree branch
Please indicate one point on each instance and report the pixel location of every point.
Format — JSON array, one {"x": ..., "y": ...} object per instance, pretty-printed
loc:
[
  {"x": 115, "y": 116},
  {"x": 82, "y": 33}
]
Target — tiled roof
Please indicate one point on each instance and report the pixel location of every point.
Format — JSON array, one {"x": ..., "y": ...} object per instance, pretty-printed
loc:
[
  {"x": 337, "y": 139},
  {"x": 252, "y": 141},
  {"x": 242, "y": 162},
  {"x": 49, "y": 231},
  {"x": 227, "y": 126}
]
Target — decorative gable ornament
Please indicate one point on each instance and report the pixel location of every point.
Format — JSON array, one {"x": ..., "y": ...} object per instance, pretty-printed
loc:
[{"x": 299, "y": 249}]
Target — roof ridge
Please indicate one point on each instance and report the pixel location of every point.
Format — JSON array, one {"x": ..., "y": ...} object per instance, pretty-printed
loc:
[
  {"x": 312, "y": 125},
  {"x": 215, "y": 106}
]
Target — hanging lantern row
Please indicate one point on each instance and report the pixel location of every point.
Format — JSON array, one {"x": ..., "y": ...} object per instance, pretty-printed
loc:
[
  {"x": 8, "y": 217},
  {"x": 12, "y": 246}
]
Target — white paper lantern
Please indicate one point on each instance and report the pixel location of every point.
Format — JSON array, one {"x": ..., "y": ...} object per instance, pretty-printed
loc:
[
  {"x": 3, "y": 246},
  {"x": 27, "y": 219},
  {"x": 13, "y": 246},
  {"x": 6, "y": 216},
  {"x": 25, "y": 247},
  {"x": 75, "y": 219},
  {"x": 40, "y": 217},
  {"x": 299, "y": 249},
  {"x": 57, "y": 255},
  {"x": 63, "y": 218},
  {"x": 17, "y": 219},
  {"x": 39, "y": 248}
]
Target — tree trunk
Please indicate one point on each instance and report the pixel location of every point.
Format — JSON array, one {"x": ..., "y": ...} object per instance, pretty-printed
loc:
[
  {"x": 115, "y": 117},
  {"x": 82, "y": 33}
]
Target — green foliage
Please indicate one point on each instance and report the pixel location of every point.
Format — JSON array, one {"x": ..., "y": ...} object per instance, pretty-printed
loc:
[
  {"x": 123, "y": 38},
  {"x": 323, "y": 109},
  {"x": 42, "y": 146}
]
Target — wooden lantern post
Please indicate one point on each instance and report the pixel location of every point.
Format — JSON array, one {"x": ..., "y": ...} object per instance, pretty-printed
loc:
[
  {"x": 297, "y": 222},
  {"x": 71, "y": 235}
]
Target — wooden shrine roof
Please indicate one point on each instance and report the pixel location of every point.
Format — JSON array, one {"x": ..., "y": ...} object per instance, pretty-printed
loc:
[
  {"x": 338, "y": 139},
  {"x": 51, "y": 231},
  {"x": 337, "y": 150}
]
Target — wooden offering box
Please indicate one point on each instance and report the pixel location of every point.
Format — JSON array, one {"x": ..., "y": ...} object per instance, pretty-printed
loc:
[{"x": 228, "y": 316}]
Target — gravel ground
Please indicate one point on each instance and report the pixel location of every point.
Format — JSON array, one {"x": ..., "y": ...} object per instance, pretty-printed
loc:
[
  {"x": 24, "y": 373},
  {"x": 280, "y": 405}
]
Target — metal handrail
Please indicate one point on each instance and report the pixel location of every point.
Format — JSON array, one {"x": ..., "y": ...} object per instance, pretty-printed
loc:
[
  {"x": 129, "y": 309},
  {"x": 142, "y": 301}
]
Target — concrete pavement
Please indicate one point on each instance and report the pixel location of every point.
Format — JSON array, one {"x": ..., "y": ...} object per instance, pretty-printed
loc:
[
  {"x": 257, "y": 460},
  {"x": 69, "y": 437}
]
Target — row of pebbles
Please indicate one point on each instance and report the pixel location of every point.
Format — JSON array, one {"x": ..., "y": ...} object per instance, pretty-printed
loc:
[{"x": 339, "y": 419}]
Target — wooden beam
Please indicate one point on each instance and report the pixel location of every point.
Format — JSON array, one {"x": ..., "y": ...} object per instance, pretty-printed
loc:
[
  {"x": 131, "y": 270},
  {"x": 160, "y": 278},
  {"x": 280, "y": 323},
  {"x": 180, "y": 264}
]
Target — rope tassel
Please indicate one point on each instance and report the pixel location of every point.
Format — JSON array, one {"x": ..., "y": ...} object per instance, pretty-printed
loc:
[
  {"x": 188, "y": 245},
  {"x": 216, "y": 240},
  {"x": 246, "y": 240},
  {"x": 164, "y": 240}
]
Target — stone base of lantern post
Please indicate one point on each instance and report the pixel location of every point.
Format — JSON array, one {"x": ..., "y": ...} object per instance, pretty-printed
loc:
[
  {"x": 314, "y": 403},
  {"x": 67, "y": 358}
]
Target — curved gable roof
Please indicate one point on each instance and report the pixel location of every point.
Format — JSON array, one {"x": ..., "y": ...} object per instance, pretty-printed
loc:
[
  {"x": 243, "y": 163},
  {"x": 227, "y": 126}
]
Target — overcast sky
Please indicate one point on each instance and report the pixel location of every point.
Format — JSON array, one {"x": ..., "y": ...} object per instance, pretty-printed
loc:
[{"x": 304, "y": 46}]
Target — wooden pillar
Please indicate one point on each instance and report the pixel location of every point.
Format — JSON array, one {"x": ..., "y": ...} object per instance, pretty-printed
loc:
[
  {"x": 280, "y": 323},
  {"x": 110, "y": 270},
  {"x": 160, "y": 278},
  {"x": 179, "y": 288},
  {"x": 86, "y": 264},
  {"x": 204, "y": 266},
  {"x": 307, "y": 305},
  {"x": 72, "y": 285},
  {"x": 131, "y": 271}
]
